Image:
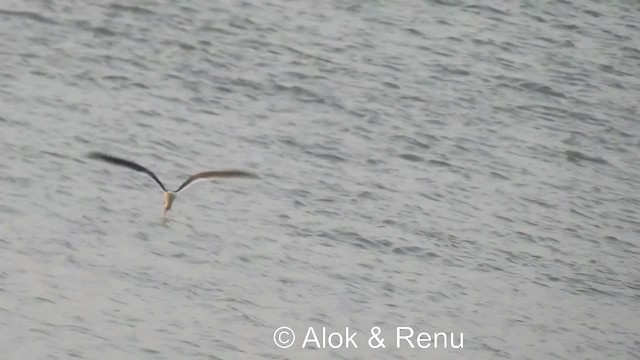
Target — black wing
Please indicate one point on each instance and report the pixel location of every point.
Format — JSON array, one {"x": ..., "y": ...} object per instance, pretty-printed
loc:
[
  {"x": 126, "y": 163},
  {"x": 208, "y": 175}
]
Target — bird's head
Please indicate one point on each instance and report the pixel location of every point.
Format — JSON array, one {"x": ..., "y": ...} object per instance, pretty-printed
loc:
[{"x": 168, "y": 200}]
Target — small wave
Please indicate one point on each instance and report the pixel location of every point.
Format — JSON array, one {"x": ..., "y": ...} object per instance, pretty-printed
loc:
[
  {"x": 247, "y": 83},
  {"x": 390, "y": 85},
  {"x": 131, "y": 9},
  {"x": 624, "y": 244},
  {"x": 413, "y": 31},
  {"x": 103, "y": 31},
  {"x": 302, "y": 93},
  {"x": 115, "y": 78},
  {"x": 499, "y": 176},
  {"x": 454, "y": 71},
  {"x": 439, "y": 163},
  {"x": 577, "y": 157},
  {"x": 415, "y": 251},
  {"x": 411, "y": 157},
  {"x": 541, "y": 88},
  {"x": 216, "y": 30},
  {"x": 486, "y": 8},
  {"x": 29, "y": 15},
  {"x": 326, "y": 156}
]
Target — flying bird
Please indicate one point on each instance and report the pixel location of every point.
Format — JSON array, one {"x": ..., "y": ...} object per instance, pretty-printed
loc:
[{"x": 170, "y": 196}]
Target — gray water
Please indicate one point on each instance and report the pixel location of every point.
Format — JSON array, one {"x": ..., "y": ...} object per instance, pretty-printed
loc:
[{"x": 439, "y": 165}]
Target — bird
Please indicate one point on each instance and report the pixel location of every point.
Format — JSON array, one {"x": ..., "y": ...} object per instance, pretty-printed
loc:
[{"x": 170, "y": 196}]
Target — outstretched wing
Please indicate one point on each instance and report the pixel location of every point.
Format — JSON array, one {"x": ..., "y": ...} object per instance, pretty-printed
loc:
[
  {"x": 126, "y": 163},
  {"x": 210, "y": 175}
]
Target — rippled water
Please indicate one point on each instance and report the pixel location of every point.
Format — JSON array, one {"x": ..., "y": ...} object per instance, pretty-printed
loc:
[{"x": 438, "y": 165}]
